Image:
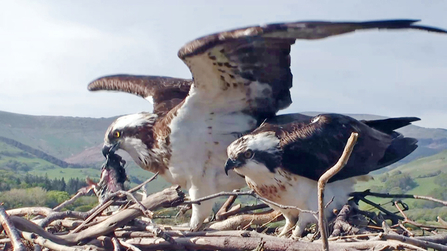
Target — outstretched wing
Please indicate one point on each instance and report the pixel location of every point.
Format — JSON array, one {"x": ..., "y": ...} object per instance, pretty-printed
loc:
[
  {"x": 310, "y": 150},
  {"x": 164, "y": 92},
  {"x": 248, "y": 69}
]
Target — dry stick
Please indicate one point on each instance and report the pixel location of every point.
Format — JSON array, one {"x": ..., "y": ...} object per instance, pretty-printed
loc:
[
  {"x": 81, "y": 192},
  {"x": 11, "y": 231},
  {"x": 251, "y": 193},
  {"x": 94, "y": 211},
  {"x": 393, "y": 217},
  {"x": 42, "y": 211},
  {"x": 129, "y": 246},
  {"x": 221, "y": 214},
  {"x": 92, "y": 216},
  {"x": 116, "y": 244},
  {"x": 396, "y": 196},
  {"x": 34, "y": 238},
  {"x": 325, "y": 178},
  {"x": 143, "y": 184},
  {"x": 413, "y": 241},
  {"x": 441, "y": 221},
  {"x": 407, "y": 220}
]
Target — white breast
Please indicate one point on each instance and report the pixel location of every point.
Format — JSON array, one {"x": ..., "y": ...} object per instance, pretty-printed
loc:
[{"x": 199, "y": 137}]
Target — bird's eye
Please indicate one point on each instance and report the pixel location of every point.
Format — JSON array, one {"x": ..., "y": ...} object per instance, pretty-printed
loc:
[
  {"x": 117, "y": 134},
  {"x": 248, "y": 154}
]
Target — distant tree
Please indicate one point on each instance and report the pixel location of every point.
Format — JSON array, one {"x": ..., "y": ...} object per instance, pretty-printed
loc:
[
  {"x": 54, "y": 198},
  {"x": 400, "y": 180},
  {"x": 24, "y": 197}
]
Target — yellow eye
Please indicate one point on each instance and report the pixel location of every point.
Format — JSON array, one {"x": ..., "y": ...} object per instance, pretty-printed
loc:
[
  {"x": 117, "y": 134},
  {"x": 248, "y": 154}
]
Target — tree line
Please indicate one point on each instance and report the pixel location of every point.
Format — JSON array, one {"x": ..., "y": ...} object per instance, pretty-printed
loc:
[{"x": 10, "y": 181}]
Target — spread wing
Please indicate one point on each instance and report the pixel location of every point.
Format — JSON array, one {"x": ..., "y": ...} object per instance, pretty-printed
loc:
[
  {"x": 310, "y": 150},
  {"x": 165, "y": 92},
  {"x": 248, "y": 69}
]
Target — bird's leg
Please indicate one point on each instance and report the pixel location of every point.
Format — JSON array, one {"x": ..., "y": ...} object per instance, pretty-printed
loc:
[
  {"x": 290, "y": 222},
  {"x": 305, "y": 218},
  {"x": 202, "y": 211}
]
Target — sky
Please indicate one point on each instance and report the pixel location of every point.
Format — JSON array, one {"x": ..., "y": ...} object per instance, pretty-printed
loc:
[{"x": 51, "y": 50}]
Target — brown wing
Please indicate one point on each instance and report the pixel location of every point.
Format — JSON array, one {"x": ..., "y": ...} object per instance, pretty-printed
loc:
[
  {"x": 310, "y": 149},
  {"x": 165, "y": 92},
  {"x": 249, "y": 68}
]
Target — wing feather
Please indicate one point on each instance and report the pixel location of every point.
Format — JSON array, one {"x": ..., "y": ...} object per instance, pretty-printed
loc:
[
  {"x": 249, "y": 68},
  {"x": 165, "y": 92},
  {"x": 310, "y": 149}
]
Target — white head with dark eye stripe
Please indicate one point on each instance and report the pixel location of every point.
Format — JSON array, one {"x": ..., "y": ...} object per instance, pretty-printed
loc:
[
  {"x": 132, "y": 133},
  {"x": 254, "y": 151}
]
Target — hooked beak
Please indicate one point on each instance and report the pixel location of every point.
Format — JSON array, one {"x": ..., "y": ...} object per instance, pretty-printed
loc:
[
  {"x": 107, "y": 149},
  {"x": 232, "y": 164}
]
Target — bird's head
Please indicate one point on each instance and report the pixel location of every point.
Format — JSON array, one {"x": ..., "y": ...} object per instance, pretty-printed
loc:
[
  {"x": 132, "y": 133},
  {"x": 253, "y": 153}
]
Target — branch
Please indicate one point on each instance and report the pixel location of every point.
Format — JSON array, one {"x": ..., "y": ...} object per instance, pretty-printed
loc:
[
  {"x": 251, "y": 193},
  {"x": 42, "y": 211},
  {"x": 413, "y": 241},
  {"x": 250, "y": 240},
  {"x": 325, "y": 178},
  {"x": 81, "y": 192},
  {"x": 244, "y": 220},
  {"x": 407, "y": 220},
  {"x": 11, "y": 231},
  {"x": 143, "y": 184},
  {"x": 396, "y": 196},
  {"x": 34, "y": 238}
]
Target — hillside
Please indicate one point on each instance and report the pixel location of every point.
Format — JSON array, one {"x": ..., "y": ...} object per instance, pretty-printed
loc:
[
  {"x": 79, "y": 141},
  {"x": 425, "y": 176},
  {"x": 58, "y": 136}
]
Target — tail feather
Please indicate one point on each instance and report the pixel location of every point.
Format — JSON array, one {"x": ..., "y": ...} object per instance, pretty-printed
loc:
[
  {"x": 391, "y": 124},
  {"x": 399, "y": 149}
]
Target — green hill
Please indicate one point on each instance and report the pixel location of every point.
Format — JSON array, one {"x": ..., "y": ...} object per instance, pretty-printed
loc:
[
  {"x": 425, "y": 176},
  {"x": 78, "y": 140},
  {"x": 56, "y": 135}
]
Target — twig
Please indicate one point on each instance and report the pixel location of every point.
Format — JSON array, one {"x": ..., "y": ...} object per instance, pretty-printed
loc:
[
  {"x": 407, "y": 220},
  {"x": 34, "y": 238},
  {"x": 116, "y": 244},
  {"x": 158, "y": 232},
  {"x": 396, "y": 196},
  {"x": 11, "y": 231},
  {"x": 401, "y": 225},
  {"x": 250, "y": 193},
  {"x": 441, "y": 221},
  {"x": 143, "y": 184},
  {"x": 325, "y": 178},
  {"x": 42, "y": 211},
  {"x": 143, "y": 209},
  {"x": 413, "y": 241},
  {"x": 93, "y": 215},
  {"x": 129, "y": 246},
  {"x": 212, "y": 196},
  {"x": 393, "y": 217},
  {"x": 81, "y": 192},
  {"x": 222, "y": 212}
]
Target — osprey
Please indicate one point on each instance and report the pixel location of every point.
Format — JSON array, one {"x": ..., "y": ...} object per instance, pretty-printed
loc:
[
  {"x": 240, "y": 78},
  {"x": 283, "y": 159}
]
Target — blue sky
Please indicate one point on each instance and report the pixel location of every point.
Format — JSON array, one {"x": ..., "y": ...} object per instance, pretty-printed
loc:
[{"x": 51, "y": 50}]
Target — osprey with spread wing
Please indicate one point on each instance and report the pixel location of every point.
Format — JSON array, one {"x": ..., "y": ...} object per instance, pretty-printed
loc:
[
  {"x": 240, "y": 78},
  {"x": 283, "y": 159}
]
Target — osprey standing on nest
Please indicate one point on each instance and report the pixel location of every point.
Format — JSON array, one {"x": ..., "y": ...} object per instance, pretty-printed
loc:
[
  {"x": 283, "y": 159},
  {"x": 240, "y": 78}
]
